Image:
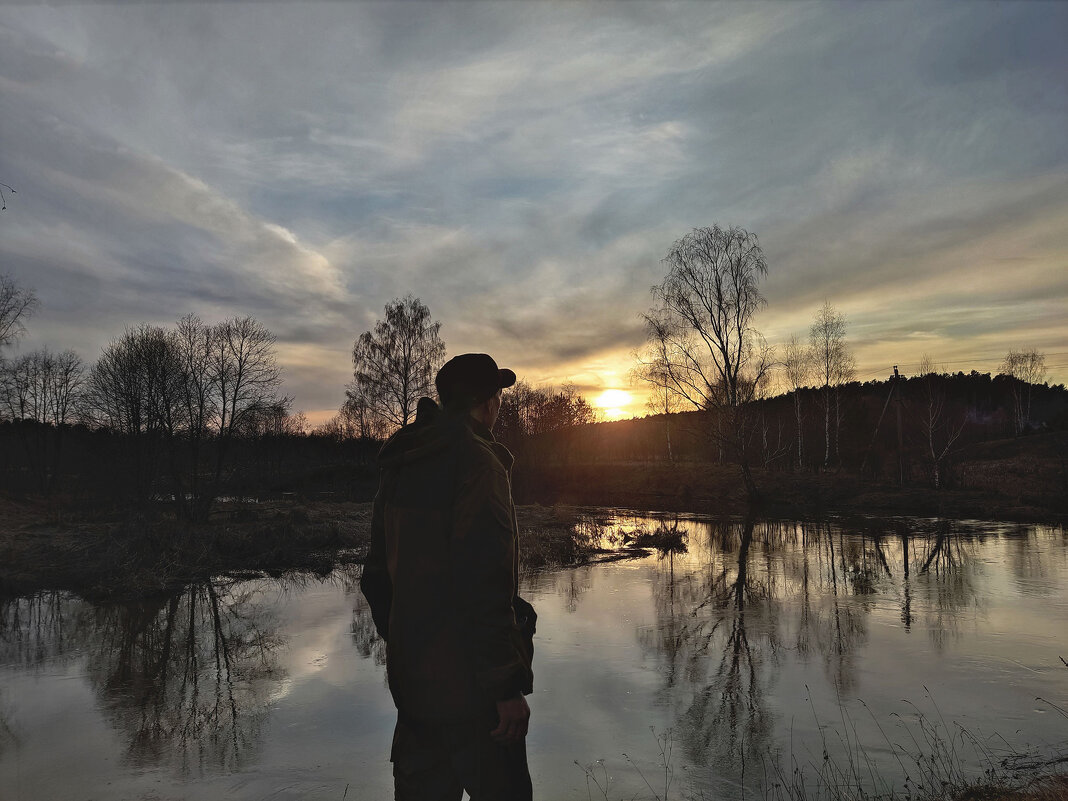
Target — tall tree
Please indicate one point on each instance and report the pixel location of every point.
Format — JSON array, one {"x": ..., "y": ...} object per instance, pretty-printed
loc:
[
  {"x": 16, "y": 305},
  {"x": 652, "y": 369},
  {"x": 705, "y": 348},
  {"x": 797, "y": 367},
  {"x": 1027, "y": 367},
  {"x": 180, "y": 398},
  {"x": 245, "y": 378},
  {"x": 133, "y": 389},
  {"x": 394, "y": 365},
  {"x": 938, "y": 429},
  {"x": 44, "y": 388},
  {"x": 528, "y": 412},
  {"x": 835, "y": 365}
]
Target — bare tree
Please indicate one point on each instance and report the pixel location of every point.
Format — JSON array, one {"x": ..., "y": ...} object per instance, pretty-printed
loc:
[
  {"x": 662, "y": 400},
  {"x": 186, "y": 394},
  {"x": 134, "y": 389},
  {"x": 704, "y": 347},
  {"x": 126, "y": 394},
  {"x": 835, "y": 365},
  {"x": 1027, "y": 367},
  {"x": 44, "y": 387},
  {"x": 244, "y": 380},
  {"x": 245, "y": 373},
  {"x": 41, "y": 391},
  {"x": 17, "y": 389},
  {"x": 358, "y": 419},
  {"x": 16, "y": 305},
  {"x": 66, "y": 388},
  {"x": 527, "y": 413},
  {"x": 798, "y": 368},
  {"x": 394, "y": 365},
  {"x": 195, "y": 347},
  {"x": 939, "y": 431}
]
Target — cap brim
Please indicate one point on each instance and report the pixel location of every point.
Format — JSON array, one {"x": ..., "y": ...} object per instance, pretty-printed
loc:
[{"x": 505, "y": 378}]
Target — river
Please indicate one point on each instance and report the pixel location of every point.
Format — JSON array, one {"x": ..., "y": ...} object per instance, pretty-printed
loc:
[{"x": 874, "y": 651}]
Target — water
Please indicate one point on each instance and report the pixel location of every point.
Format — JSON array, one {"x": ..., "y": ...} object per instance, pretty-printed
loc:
[{"x": 758, "y": 646}]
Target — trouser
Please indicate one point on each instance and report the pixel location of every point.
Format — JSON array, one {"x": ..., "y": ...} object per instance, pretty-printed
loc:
[{"x": 434, "y": 763}]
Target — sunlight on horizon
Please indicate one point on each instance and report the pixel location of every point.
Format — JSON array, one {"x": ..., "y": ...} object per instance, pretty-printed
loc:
[{"x": 614, "y": 404}]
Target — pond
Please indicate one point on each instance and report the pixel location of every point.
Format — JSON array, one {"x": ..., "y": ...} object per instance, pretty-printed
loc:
[{"x": 901, "y": 649}]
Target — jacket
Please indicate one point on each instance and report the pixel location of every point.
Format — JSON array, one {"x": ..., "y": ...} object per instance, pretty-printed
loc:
[{"x": 442, "y": 572}]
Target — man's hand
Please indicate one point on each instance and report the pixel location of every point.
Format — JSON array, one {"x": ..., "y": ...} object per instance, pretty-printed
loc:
[{"x": 513, "y": 714}]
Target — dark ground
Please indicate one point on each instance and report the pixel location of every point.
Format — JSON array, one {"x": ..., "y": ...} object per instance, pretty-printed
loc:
[
  {"x": 1023, "y": 479},
  {"x": 100, "y": 554},
  {"x": 110, "y": 556}
]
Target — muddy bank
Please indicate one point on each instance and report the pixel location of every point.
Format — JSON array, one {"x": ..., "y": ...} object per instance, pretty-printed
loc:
[{"x": 111, "y": 556}]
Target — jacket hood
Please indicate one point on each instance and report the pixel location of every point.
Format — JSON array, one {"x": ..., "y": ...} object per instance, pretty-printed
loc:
[
  {"x": 418, "y": 440},
  {"x": 435, "y": 430}
]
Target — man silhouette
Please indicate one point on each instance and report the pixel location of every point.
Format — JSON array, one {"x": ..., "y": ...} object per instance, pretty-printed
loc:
[{"x": 441, "y": 579}]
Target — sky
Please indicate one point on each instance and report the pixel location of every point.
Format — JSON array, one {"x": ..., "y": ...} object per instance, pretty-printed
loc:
[{"x": 522, "y": 168}]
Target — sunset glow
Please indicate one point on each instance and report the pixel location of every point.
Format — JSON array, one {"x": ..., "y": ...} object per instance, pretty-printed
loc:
[
  {"x": 524, "y": 179},
  {"x": 614, "y": 404}
]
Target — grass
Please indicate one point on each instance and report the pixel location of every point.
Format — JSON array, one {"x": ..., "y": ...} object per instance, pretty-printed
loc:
[
  {"x": 137, "y": 553},
  {"x": 665, "y": 538},
  {"x": 935, "y": 760}
]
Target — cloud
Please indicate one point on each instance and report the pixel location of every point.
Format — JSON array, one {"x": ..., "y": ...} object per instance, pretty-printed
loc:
[{"x": 523, "y": 167}]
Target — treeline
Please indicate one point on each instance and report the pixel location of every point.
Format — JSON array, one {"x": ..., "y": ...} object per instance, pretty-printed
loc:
[
  {"x": 183, "y": 414},
  {"x": 528, "y": 413},
  {"x": 188, "y": 414},
  {"x": 900, "y": 430}
]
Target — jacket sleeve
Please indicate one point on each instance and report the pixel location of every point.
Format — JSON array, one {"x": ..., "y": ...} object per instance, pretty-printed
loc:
[
  {"x": 375, "y": 582},
  {"x": 484, "y": 553}
]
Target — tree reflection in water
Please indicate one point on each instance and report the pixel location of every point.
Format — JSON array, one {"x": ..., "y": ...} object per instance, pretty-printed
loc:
[
  {"x": 756, "y": 592},
  {"x": 364, "y": 633},
  {"x": 712, "y": 632},
  {"x": 946, "y": 578},
  {"x": 33, "y": 631},
  {"x": 37, "y": 629},
  {"x": 185, "y": 678}
]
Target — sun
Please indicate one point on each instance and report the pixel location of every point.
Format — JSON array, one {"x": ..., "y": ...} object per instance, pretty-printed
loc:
[{"x": 613, "y": 403}]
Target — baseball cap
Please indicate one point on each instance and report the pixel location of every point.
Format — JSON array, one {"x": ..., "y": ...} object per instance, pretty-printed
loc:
[{"x": 473, "y": 377}]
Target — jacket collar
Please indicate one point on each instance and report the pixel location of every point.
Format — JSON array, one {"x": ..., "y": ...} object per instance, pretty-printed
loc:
[{"x": 500, "y": 451}]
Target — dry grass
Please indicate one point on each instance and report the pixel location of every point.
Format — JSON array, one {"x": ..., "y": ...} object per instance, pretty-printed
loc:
[
  {"x": 137, "y": 554},
  {"x": 1045, "y": 788}
]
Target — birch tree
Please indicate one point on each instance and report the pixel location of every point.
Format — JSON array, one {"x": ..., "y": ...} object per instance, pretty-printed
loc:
[
  {"x": 938, "y": 430},
  {"x": 395, "y": 363},
  {"x": 706, "y": 349},
  {"x": 835, "y": 365},
  {"x": 1027, "y": 367},
  {"x": 797, "y": 367}
]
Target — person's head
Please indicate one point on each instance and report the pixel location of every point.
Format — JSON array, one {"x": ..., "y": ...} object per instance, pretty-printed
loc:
[{"x": 472, "y": 382}]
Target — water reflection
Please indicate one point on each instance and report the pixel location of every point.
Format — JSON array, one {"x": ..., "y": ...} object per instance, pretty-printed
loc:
[
  {"x": 750, "y": 593},
  {"x": 184, "y": 678},
  {"x": 37, "y": 629},
  {"x": 738, "y": 643}
]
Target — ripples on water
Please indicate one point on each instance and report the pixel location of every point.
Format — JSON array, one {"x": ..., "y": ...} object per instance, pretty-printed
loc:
[{"x": 750, "y": 654}]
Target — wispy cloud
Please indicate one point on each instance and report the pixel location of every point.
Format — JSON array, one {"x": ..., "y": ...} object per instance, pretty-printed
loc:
[{"x": 523, "y": 168}]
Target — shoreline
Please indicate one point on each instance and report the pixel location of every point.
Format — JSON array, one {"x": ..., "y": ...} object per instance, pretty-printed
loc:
[
  {"x": 718, "y": 489},
  {"x": 45, "y": 545}
]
